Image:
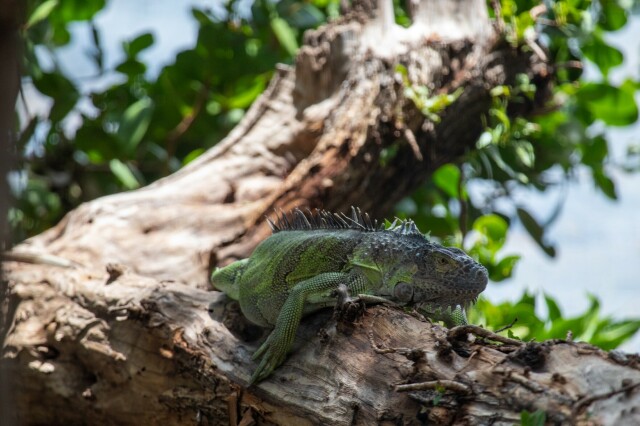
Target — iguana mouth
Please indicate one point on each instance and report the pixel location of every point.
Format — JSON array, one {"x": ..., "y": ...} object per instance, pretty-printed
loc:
[{"x": 447, "y": 302}]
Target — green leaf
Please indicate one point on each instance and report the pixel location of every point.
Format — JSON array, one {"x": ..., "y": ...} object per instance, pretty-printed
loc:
[
  {"x": 613, "y": 335},
  {"x": 552, "y": 306},
  {"x": 55, "y": 85},
  {"x": 134, "y": 123},
  {"x": 535, "y": 230},
  {"x": 537, "y": 418},
  {"x": 61, "y": 35},
  {"x": 61, "y": 90},
  {"x": 594, "y": 151},
  {"x": 285, "y": 35},
  {"x": 138, "y": 44},
  {"x": 604, "y": 183},
  {"x": 244, "y": 96},
  {"x": 447, "y": 178},
  {"x": 601, "y": 54},
  {"x": 41, "y": 12},
  {"x": 525, "y": 153},
  {"x": 616, "y": 106},
  {"x": 200, "y": 16},
  {"x": 78, "y": 10},
  {"x": 98, "y": 145},
  {"x": 504, "y": 268},
  {"x": 124, "y": 174},
  {"x": 493, "y": 227},
  {"x": 192, "y": 156},
  {"x": 613, "y": 16},
  {"x": 131, "y": 67}
]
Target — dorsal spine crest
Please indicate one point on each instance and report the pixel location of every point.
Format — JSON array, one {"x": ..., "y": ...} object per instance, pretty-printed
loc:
[{"x": 297, "y": 220}]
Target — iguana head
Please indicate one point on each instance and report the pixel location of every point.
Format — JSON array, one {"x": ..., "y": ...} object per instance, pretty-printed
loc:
[
  {"x": 435, "y": 275},
  {"x": 447, "y": 276}
]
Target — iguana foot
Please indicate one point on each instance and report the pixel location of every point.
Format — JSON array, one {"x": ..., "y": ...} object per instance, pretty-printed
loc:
[
  {"x": 271, "y": 354},
  {"x": 347, "y": 309}
]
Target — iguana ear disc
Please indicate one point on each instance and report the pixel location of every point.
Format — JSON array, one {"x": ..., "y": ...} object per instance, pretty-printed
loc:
[{"x": 403, "y": 292}]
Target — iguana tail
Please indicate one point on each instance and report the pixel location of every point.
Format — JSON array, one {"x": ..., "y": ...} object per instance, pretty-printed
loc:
[{"x": 227, "y": 279}]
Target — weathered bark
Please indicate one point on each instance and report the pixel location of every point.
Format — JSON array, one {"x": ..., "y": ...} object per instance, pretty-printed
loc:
[{"x": 124, "y": 330}]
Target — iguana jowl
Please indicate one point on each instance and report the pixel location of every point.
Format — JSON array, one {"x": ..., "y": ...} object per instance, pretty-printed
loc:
[{"x": 295, "y": 271}]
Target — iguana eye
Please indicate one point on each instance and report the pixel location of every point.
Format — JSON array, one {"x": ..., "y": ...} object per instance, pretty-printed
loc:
[
  {"x": 403, "y": 292},
  {"x": 444, "y": 263}
]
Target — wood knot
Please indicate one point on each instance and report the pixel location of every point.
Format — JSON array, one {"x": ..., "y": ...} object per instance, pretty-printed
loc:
[
  {"x": 531, "y": 355},
  {"x": 115, "y": 270}
]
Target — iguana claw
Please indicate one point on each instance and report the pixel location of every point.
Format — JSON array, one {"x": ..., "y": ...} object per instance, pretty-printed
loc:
[{"x": 271, "y": 355}]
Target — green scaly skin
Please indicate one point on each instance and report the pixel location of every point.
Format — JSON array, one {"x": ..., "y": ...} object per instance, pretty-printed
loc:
[{"x": 295, "y": 271}]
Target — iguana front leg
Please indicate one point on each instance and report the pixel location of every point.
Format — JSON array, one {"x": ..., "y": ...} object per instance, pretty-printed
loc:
[{"x": 274, "y": 350}]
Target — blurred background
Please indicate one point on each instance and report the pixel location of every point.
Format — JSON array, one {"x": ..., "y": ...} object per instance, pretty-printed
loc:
[{"x": 116, "y": 94}]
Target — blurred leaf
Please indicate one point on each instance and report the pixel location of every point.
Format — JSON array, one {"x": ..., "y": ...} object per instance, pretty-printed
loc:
[
  {"x": 124, "y": 174},
  {"x": 601, "y": 54},
  {"x": 192, "y": 156},
  {"x": 134, "y": 123},
  {"x": 61, "y": 90},
  {"x": 604, "y": 183},
  {"x": 613, "y": 16},
  {"x": 285, "y": 35},
  {"x": 200, "y": 16},
  {"x": 138, "y": 44},
  {"x": 447, "y": 178},
  {"x": 98, "y": 145},
  {"x": 552, "y": 308},
  {"x": 525, "y": 153},
  {"x": 535, "y": 230},
  {"x": 243, "y": 98},
  {"x": 55, "y": 85},
  {"x": 504, "y": 268},
  {"x": 41, "y": 12},
  {"x": 614, "y": 334},
  {"x": 537, "y": 418},
  {"x": 131, "y": 67},
  {"x": 493, "y": 226},
  {"x": 78, "y": 10},
  {"x": 615, "y": 106},
  {"x": 594, "y": 151}
]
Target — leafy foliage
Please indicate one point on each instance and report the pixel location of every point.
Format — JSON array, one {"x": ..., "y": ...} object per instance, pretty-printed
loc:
[
  {"x": 141, "y": 127},
  {"x": 588, "y": 326},
  {"x": 528, "y": 152},
  {"x": 542, "y": 152}
]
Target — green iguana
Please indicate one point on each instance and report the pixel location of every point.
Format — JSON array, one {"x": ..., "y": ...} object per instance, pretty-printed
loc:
[{"x": 297, "y": 269}]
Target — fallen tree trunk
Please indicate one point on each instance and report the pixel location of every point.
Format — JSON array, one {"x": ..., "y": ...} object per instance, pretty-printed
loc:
[
  {"x": 107, "y": 317},
  {"x": 137, "y": 350}
]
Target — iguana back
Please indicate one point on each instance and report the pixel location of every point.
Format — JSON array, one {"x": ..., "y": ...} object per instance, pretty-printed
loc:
[{"x": 285, "y": 259}]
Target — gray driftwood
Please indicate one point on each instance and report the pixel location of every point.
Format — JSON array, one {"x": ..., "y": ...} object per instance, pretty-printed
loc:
[{"x": 107, "y": 317}]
